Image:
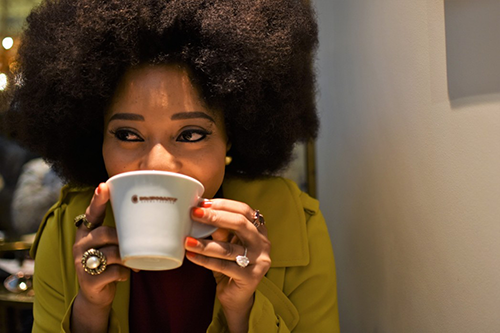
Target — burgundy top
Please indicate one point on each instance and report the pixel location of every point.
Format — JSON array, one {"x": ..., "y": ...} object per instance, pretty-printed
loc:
[{"x": 178, "y": 300}]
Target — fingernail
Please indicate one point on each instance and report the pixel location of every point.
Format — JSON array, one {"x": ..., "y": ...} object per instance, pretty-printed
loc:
[
  {"x": 191, "y": 242},
  {"x": 98, "y": 190},
  {"x": 206, "y": 203},
  {"x": 190, "y": 254},
  {"x": 198, "y": 212}
]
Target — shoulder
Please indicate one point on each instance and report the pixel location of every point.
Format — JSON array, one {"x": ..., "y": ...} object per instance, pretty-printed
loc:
[{"x": 280, "y": 191}]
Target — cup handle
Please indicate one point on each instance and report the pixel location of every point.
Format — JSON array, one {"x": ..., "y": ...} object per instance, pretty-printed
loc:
[{"x": 200, "y": 230}]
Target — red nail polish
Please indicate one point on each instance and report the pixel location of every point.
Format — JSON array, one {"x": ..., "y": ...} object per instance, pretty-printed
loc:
[
  {"x": 190, "y": 254},
  {"x": 198, "y": 212},
  {"x": 206, "y": 203},
  {"x": 191, "y": 242},
  {"x": 98, "y": 190}
]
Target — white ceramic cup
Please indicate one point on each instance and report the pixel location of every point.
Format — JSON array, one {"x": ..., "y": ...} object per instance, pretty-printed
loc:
[{"x": 152, "y": 212}]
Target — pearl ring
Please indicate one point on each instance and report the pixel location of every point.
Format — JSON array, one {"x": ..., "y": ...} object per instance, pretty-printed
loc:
[{"x": 94, "y": 262}]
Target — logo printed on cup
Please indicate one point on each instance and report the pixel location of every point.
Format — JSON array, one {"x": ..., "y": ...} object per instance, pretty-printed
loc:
[{"x": 137, "y": 199}]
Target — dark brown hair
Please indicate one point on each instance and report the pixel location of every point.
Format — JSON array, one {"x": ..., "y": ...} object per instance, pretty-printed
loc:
[{"x": 250, "y": 58}]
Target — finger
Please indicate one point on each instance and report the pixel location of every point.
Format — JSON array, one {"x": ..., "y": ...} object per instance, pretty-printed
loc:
[
  {"x": 96, "y": 210},
  {"x": 97, "y": 238},
  {"x": 112, "y": 255},
  {"x": 259, "y": 257},
  {"x": 112, "y": 258},
  {"x": 235, "y": 207},
  {"x": 263, "y": 230},
  {"x": 214, "y": 249},
  {"x": 222, "y": 235},
  {"x": 229, "y": 206},
  {"x": 235, "y": 222},
  {"x": 112, "y": 273},
  {"x": 226, "y": 267},
  {"x": 252, "y": 273}
]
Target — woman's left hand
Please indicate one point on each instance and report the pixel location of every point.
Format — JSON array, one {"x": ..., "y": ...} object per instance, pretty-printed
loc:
[{"x": 237, "y": 233}]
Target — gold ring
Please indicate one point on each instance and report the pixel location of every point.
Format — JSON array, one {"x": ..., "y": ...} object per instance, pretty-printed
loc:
[{"x": 82, "y": 219}]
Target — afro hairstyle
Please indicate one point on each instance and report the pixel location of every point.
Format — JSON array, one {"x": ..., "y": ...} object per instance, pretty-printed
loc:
[{"x": 252, "y": 59}]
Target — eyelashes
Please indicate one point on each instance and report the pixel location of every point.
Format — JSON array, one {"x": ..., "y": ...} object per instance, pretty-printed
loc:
[
  {"x": 126, "y": 135},
  {"x": 192, "y": 135},
  {"x": 187, "y": 135}
]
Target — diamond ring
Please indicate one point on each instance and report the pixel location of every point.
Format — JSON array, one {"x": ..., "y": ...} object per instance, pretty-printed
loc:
[{"x": 243, "y": 260}]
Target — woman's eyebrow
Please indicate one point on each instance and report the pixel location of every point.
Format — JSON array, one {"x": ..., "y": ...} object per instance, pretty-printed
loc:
[
  {"x": 191, "y": 115},
  {"x": 127, "y": 116}
]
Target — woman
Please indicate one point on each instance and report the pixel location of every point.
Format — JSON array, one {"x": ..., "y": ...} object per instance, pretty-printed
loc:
[{"x": 106, "y": 87}]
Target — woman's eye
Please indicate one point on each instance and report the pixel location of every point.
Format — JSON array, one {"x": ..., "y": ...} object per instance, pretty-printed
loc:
[
  {"x": 126, "y": 135},
  {"x": 193, "y": 135}
]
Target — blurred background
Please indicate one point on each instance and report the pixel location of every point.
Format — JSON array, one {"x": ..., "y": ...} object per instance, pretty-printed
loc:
[
  {"x": 27, "y": 189},
  {"x": 12, "y": 16},
  {"x": 12, "y": 157}
]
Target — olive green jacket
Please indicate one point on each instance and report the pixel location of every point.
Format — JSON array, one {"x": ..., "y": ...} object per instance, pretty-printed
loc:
[{"x": 297, "y": 294}]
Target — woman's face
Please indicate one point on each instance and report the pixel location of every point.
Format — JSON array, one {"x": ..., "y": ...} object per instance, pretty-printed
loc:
[{"x": 157, "y": 121}]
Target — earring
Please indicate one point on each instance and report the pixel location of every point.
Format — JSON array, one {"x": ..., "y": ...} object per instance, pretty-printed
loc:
[{"x": 229, "y": 159}]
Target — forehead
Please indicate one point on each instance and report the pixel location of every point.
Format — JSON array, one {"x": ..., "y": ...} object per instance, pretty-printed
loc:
[
  {"x": 149, "y": 79},
  {"x": 158, "y": 86}
]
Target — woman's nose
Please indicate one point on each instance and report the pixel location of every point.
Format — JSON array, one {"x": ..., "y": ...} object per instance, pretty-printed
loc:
[{"x": 161, "y": 158}]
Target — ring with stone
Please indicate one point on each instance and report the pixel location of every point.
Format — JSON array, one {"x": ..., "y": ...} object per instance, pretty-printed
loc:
[
  {"x": 82, "y": 219},
  {"x": 94, "y": 262},
  {"x": 243, "y": 260},
  {"x": 258, "y": 219}
]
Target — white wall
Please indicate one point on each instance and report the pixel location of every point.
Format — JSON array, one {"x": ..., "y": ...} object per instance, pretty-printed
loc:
[{"x": 408, "y": 180}]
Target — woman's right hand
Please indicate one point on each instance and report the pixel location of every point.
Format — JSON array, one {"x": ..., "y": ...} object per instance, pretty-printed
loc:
[{"x": 93, "y": 303}]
